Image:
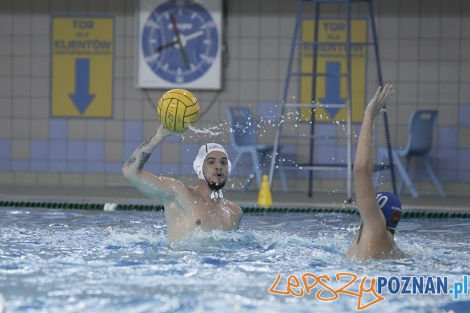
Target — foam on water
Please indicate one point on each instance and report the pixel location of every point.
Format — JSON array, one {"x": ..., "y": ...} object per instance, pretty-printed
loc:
[{"x": 122, "y": 262}]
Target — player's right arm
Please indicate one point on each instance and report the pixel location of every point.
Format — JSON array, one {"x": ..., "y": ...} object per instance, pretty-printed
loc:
[
  {"x": 371, "y": 215},
  {"x": 160, "y": 187}
]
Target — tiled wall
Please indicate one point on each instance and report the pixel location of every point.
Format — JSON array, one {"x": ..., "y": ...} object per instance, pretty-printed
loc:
[{"x": 424, "y": 48}]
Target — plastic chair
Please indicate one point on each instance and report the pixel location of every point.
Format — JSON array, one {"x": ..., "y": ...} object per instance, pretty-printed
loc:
[
  {"x": 243, "y": 134},
  {"x": 420, "y": 132}
]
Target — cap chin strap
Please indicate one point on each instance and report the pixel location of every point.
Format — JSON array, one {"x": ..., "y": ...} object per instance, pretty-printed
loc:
[{"x": 217, "y": 194}]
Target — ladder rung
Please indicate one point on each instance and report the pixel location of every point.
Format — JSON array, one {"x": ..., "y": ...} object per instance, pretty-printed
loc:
[
  {"x": 333, "y": 43},
  {"x": 313, "y": 105},
  {"x": 334, "y": 1},
  {"x": 313, "y": 136},
  {"x": 314, "y": 167},
  {"x": 318, "y": 74}
]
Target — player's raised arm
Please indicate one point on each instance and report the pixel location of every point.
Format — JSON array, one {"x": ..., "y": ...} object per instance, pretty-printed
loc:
[
  {"x": 176, "y": 109},
  {"x": 151, "y": 185},
  {"x": 364, "y": 161}
]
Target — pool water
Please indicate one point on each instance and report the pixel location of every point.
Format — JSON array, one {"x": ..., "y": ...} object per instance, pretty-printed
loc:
[{"x": 94, "y": 261}]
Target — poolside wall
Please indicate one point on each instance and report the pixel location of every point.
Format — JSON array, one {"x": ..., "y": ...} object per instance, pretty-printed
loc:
[{"x": 425, "y": 53}]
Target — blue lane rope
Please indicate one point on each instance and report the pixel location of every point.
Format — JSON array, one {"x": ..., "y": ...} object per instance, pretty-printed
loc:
[{"x": 246, "y": 209}]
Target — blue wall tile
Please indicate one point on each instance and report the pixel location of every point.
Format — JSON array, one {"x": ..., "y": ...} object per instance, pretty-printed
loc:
[
  {"x": 132, "y": 131},
  {"x": 75, "y": 167},
  {"x": 20, "y": 165},
  {"x": 94, "y": 150},
  {"x": 58, "y": 129},
  {"x": 5, "y": 149},
  {"x": 76, "y": 150},
  {"x": 113, "y": 167},
  {"x": 5, "y": 165},
  {"x": 464, "y": 176},
  {"x": 57, "y": 149},
  {"x": 95, "y": 167},
  {"x": 39, "y": 149},
  {"x": 447, "y": 158},
  {"x": 39, "y": 166},
  {"x": 168, "y": 170},
  {"x": 57, "y": 166},
  {"x": 464, "y": 159},
  {"x": 188, "y": 153},
  {"x": 129, "y": 147},
  {"x": 448, "y": 137},
  {"x": 464, "y": 115}
]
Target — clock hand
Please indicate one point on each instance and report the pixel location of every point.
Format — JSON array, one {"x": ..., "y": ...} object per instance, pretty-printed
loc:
[
  {"x": 167, "y": 45},
  {"x": 185, "y": 39},
  {"x": 178, "y": 41}
]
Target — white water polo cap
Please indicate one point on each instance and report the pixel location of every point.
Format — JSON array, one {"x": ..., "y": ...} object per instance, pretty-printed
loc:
[{"x": 202, "y": 154}]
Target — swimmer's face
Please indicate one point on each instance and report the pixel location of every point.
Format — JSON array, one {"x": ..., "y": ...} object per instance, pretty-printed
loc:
[{"x": 215, "y": 169}]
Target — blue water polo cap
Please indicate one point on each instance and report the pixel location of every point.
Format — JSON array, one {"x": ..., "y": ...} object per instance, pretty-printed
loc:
[{"x": 391, "y": 208}]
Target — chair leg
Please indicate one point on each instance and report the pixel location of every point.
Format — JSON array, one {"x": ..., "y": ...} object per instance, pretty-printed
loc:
[
  {"x": 282, "y": 175},
  {"x": 256, "y": 166},
  {"x": 407, "y": 169},
  {"x": 404, "y": 176},
  {"x": 381, "y": 154},
  {"x": 433, "y": 177}
]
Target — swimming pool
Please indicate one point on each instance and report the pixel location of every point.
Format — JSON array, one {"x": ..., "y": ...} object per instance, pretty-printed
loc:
[{"x": 95, "y": 261}]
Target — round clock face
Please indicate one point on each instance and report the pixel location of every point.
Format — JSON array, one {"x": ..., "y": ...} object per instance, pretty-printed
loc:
[{"x": 180, "y": 41}]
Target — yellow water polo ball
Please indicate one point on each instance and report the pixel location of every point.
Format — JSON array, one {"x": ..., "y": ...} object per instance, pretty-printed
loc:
[{"x": 177, "y": 109}]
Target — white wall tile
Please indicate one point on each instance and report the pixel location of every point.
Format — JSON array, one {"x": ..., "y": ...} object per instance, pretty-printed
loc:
[
  {"x": 269, "y": 48},
  {"x": 268, "y": 70},
  {"x": 249, "y": 91},
  {"x": 22, "y": 24},
  {"x": 5, "y": 124},
  {"x": 428, "y": 71},
  {"x": 40, "y": 108},
  {"x": 6, "y": 25},
  {"x": 21, "y": 108},
  {"x": 465, "y": 72},
  {"x": 428, "y": 94},
  {"x": 21, "y": 87},
  {"x": 6, "y": 89},
  {"x": 408, "y": 70},
  {"x": 448, "y": 93},
  {"x": 429, "y": 49},
  {"x": 269, "y": 26},
  {"x": 449, "y": 71},
  {"x": 41, "y": 45},
  {"x": 249, "y": 69},
  {"x": 39, "y": 129},
  {"x": 77, "y": 129},
  {"x": 450, "y": 26},
  {"x": 21, "y": 66},
  {"x": 6, "y": 48},
  {"x": 249, "y": 48},
  {"x": 429, "y": 27},
  {"x": 40, "y": 67},
  {"x": 409, "y": 27},
  {"x": 450, "y": 49},
  {"x": 408, "y": 49},
  {"x": 22, "y": 45},
  {"x": 20, "y": 128}
]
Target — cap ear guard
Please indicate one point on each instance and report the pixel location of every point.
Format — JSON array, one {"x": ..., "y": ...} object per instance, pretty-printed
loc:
[
  {"x": 391, "y": 208},
  {"x": 204, "y": 150}
]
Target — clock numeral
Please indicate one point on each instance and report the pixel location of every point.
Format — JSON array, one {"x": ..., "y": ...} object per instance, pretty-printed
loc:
[
  {"x": 152, "y": 57},
  {"x": 179, "y": 79},
  {"x": 208, "y": 60},
  {"x": 152, "y": 24}
]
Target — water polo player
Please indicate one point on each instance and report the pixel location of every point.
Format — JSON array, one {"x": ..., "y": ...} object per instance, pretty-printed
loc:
[{"x": 380, "y": 212}]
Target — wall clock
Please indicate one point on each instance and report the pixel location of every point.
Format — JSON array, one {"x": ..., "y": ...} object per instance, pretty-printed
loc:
[{"x": 180, "y": 43}]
